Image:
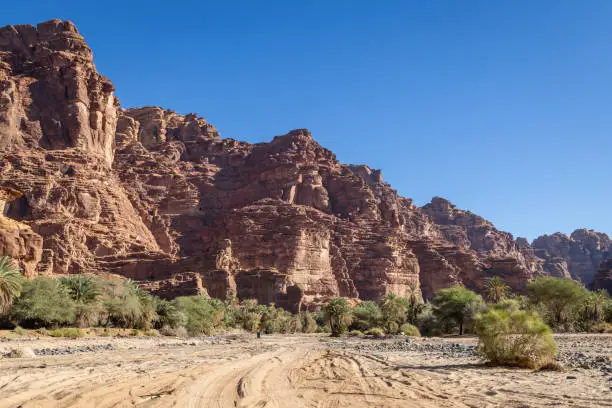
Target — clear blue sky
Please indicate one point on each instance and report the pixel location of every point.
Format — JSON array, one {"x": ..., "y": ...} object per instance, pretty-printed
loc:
[{"x": 503, "y": 106}]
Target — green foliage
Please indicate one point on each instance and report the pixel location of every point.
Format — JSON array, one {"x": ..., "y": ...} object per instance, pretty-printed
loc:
[
  {"x": 309, "y": 324},
  {"x": 202, "y": 315},
  {"x": 44, "y": 302},
  {"x": 355, "y": 333},
  {"x": 375, "y": 332},
  {"x": 82, "y": 288},
  {"x": 366, "y": 315},
  {"x": 496, "y": 289},
  {"x": 126, "y": 305},
  {"x": 67, "y": 332},
  {"x": 338, "y": 315},
  {"x": 559, "y": 300},
  {"x": 409, "y": 330},
  {"x": 515, "y": 338},
  {"x": 169, "y": 315},
  {"x": 595, "y": 305},
  {"x": 456, "y": 306},
  {"x": 394, "y": 310},
  {"x": 427, "y": 322},
  {"x": 20, "y": 331},
  {"x": 11, "y": 282}
]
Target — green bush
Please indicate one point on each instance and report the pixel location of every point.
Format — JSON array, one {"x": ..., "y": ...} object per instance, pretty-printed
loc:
[
  {"x": 338, "y": 315},
  {"x": 355, "y": 333},
  {"x": 44, "y": 302},
  {"x": 126, "y": 305},
  {"x": 410, "y": 330},
  {"x": 366, "y": 314},
  {"x": 20, "y": 331},
  {"x": 375, "y": 332},
  {"x": 515, "y": 338},
  {"x": 67, "y": 332},
  {"x": 169, "y": 315},
  {"x": 394, "y": 310},
  {"x": 202, "y": 317},
  {"x": 456, "y": 306},
  {"x": 427, "y": 322},
  {"x": 309, "y": 324}
]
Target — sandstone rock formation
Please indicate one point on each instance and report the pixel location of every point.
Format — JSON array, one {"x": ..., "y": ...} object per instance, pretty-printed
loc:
[
  {"x": 603, "y": 278},
  {"x": 578, "y": 256},
  {"x": 159, "y": 197}
]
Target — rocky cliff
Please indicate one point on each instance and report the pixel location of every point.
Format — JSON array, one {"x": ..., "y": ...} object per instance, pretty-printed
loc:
[
  {"x": 578, "y": 256},
  {"x": 161, "y": 198}
]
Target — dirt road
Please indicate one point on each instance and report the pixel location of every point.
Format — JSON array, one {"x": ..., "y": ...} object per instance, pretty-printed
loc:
[{"x": 294, "y": 372}]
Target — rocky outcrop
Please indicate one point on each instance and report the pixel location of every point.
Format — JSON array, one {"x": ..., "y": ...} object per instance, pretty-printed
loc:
[
  {"x": 17, "y": 240},
  {"x": 160, "y": 198},
  {"x": 603, "y": 278},
  {"x": 578, "y": 256}
]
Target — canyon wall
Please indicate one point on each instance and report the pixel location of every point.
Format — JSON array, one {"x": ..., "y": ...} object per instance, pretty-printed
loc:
[{"x": 161, "y": 198}]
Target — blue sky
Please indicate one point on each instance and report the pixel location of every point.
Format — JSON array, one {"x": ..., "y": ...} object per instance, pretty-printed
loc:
[{"x": 502, "y": 107}]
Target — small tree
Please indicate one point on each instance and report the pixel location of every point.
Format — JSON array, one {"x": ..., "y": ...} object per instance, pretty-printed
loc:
[
  {"x": 43, "y": 302},
  {"x": 10, "y": 283},
  {"x": 82, "y": 288},
  {"x": 338, "y": 315},
  {"x": 560, "y": 298},
  {"x": 457, "y": 305},
  {"x": 596, "y": 304},
  {"x": 496, "y": 289}
]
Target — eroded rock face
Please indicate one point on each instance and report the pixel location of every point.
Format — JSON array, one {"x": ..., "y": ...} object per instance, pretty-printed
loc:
[
  {"x": 603, "y": 278},
  {"x": 160, "y": 198},
  {"x": 578, "y": 256}
]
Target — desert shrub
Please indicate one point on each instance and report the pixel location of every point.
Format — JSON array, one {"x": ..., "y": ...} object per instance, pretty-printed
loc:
[
  {"x": 375, "y": 332},
  {"x": 277, "y": 320},
  {"x": 20, "y": 331},
  {"x": 394, "y": 310},
  {"x": 173, "y": 331},
  {"x": 366, "y": 315},
  {"x": 135, "y": 332},
  {"x": 202, "y": 317},
  {"x": 507, "y": 304},
  {"x": 309, "y": 324},
  {"x": 67, "y": 332},
  {"x": 410, "y": 330},
  {"x": 355, "y": 333},
  {"x": 252, "y": 321},
  {"x": 559, "y": 300},
  {"x": 43, "y": 302},
  {"x": 88, "y": 314},
  {"x": 338, "y": 315},
  {"x": 43, "y": 332},
  {"x": 168, "y": 314},
  {"x": 126, "y": 305},
  {"x": 515, "y": 338},
  {"x": 106, "y": 332},
  {"x": 323, "y": 329},
  {"x": 456, "y": 306},
  {"x": 392, "y": 327},
  {"x": 427, "y": 322},
  {"x": 11, "y": 282},
  {"x": 602, "y": 327}
]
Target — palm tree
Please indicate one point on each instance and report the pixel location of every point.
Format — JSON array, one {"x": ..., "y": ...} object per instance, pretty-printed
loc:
[
  {"x": 82, "y": 288},
  {"x": 496, "y": 289},
  {"x": 10, "y": 283},
  {"x": 338, "y": 314},
  {"x": 596, "y": 305}
]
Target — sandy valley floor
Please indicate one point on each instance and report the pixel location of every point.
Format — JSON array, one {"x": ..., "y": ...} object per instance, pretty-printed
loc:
[{"x": 290, "y": 371}]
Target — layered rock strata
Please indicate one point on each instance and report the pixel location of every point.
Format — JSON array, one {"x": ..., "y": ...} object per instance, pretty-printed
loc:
[{"x": 160, "y": 198}]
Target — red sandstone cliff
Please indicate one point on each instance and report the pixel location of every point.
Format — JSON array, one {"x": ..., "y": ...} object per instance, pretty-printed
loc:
[{"x": 159, "y": 197}]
